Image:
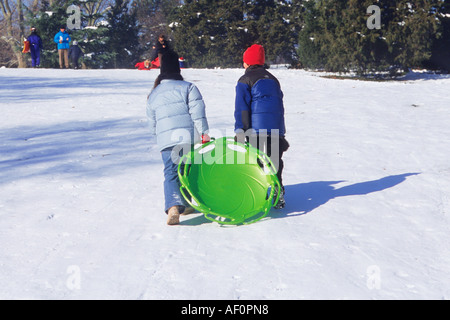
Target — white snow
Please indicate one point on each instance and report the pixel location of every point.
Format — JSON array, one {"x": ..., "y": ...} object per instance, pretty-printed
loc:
[{"x": 81, "y": 201}]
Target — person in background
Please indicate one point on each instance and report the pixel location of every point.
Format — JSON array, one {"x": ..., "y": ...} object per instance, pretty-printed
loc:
[
  {"x": 62, "y": 38},
  {"x": 161, "y": 46},
  {"x": 74, "y": 54},
  {"x": 182, "y": 63},
  {"x": 35, "y": 47},
  {"x": 144, "y": 65},
  {"x": 175, "y": 106}
]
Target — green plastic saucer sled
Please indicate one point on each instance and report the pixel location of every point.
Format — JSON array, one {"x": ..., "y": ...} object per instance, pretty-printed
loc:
[{"x": 229, "y": 182}]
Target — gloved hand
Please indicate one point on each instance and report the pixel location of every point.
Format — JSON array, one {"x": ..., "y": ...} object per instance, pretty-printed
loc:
[
  {"x": 240, "y": 137},
  {"x": 205, "y": 138}
]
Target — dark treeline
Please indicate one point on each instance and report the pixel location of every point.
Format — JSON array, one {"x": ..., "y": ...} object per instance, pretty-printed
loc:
[{"x": 362, "y": 36}]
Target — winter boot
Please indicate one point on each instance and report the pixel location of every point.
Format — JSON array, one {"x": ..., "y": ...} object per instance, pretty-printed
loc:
[
  {"x": 188, "y": 210},
  {"x": 281, "y": 202},
  {"x": 173, "y": 216}
]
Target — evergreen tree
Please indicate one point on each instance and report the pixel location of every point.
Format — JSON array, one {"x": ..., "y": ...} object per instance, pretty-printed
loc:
[
  {"x": 123, "y": 36},
  {"x": 352, "y": 45},
  {"x": 210, "y": 33},
  {"x": 295, "y": 14},
  {"x": 269, "y": 25},
  {"x": 440, "y": 51},
  {"x": 152, "y": 17},
  {"x": 340, "y": 41},
  {"x": 93, "y": 37},
  {"x": 309, "y": 49},
  {"x": 48, "y": 21},
  {"x": 410, "y": 31},
  {"x": 216, "y": 33}
]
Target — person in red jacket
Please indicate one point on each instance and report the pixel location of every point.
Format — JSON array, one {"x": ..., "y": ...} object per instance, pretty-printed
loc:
[
  {"x": 147, "y": 65},
  {"x": 144, "y": 65}
]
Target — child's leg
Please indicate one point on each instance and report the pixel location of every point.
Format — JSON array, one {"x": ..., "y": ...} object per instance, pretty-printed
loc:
[
  {"x": 172, "y": 193},
  {"x": 280, "y": 169},
  {"x": 273, "y": 147}
]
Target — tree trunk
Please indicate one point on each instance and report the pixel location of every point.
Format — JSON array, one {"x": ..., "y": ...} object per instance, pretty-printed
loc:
[{"x": 14, "y": 42}]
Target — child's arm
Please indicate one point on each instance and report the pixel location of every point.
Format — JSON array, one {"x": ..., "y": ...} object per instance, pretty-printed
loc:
[
  {"x": 242, "y": 112},
  {"x": 151, "y": 118},
  {"x": 197, "y": 110}
]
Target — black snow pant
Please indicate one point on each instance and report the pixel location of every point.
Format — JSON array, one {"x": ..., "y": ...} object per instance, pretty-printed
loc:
[{"x": 273, "y": 146}]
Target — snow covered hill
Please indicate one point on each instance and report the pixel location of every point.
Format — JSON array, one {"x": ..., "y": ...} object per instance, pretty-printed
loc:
[{"x": 81, "y": 211}]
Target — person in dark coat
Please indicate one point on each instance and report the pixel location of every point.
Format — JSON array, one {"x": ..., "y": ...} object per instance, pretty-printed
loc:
[
  {"x": 259, "y": 111},
  {"x": 161, "y": 46},
  {"x": 74, "y": 54},
  {"x": 35, "y": 48}
]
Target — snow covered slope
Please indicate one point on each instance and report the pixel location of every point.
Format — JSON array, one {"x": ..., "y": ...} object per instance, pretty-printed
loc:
[{"x": 81, "y": 210}]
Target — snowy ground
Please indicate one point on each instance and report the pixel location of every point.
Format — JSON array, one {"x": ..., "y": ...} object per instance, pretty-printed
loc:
[{"x": 81, "y": 210}]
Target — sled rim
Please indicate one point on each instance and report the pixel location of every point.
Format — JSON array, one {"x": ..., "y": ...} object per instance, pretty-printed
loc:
[{"x": 258, "y": 182}]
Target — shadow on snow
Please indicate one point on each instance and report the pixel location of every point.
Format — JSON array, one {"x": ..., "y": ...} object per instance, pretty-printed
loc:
[
  {"x": 304, "y": 198},
  {"x": 78, "y": 149},
  {"x": 19, "y": 89}
]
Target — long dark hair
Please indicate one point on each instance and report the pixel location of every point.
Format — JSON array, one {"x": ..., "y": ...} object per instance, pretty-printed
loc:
[{"x": 170, "y": 76}]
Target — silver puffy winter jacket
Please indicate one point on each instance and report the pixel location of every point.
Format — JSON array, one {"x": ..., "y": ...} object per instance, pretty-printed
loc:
[{"x": 176, "y": 113}]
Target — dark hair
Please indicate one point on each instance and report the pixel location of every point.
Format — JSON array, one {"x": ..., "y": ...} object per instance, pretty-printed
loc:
[
  {"x": 169, "y": 68},
  {"x": 170, "y": 76}
]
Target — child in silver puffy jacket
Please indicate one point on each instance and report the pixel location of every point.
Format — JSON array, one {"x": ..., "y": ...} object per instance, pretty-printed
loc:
[{"x": 176, "y": 113}]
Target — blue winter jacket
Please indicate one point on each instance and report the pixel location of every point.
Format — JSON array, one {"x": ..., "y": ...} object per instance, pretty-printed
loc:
[
  {"x": 259, "y": 102},
  {"x": 176, "y": 113},
  {"x": 65, "y": 38},
  {"x": 35, "y": 41}
]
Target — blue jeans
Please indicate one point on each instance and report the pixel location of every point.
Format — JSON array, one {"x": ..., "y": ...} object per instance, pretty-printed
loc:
[{"x": 172, "y": 193}]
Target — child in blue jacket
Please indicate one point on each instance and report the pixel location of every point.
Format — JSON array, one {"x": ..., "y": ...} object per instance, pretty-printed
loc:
[
  {"x": 259, "y": 111},
  {"x": 62, "y": 38}
]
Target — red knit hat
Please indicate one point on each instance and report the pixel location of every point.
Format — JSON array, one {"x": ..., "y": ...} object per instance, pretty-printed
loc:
[{"x": 255, "y": 55}]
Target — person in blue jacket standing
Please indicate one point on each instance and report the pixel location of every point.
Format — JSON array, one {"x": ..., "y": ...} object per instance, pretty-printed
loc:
[
  {"x": 176, "y": 115},
  {"x": 259, "y": 111},
  {"x": 35, "y": 48},
  {"x": 62, "y": 38}
]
